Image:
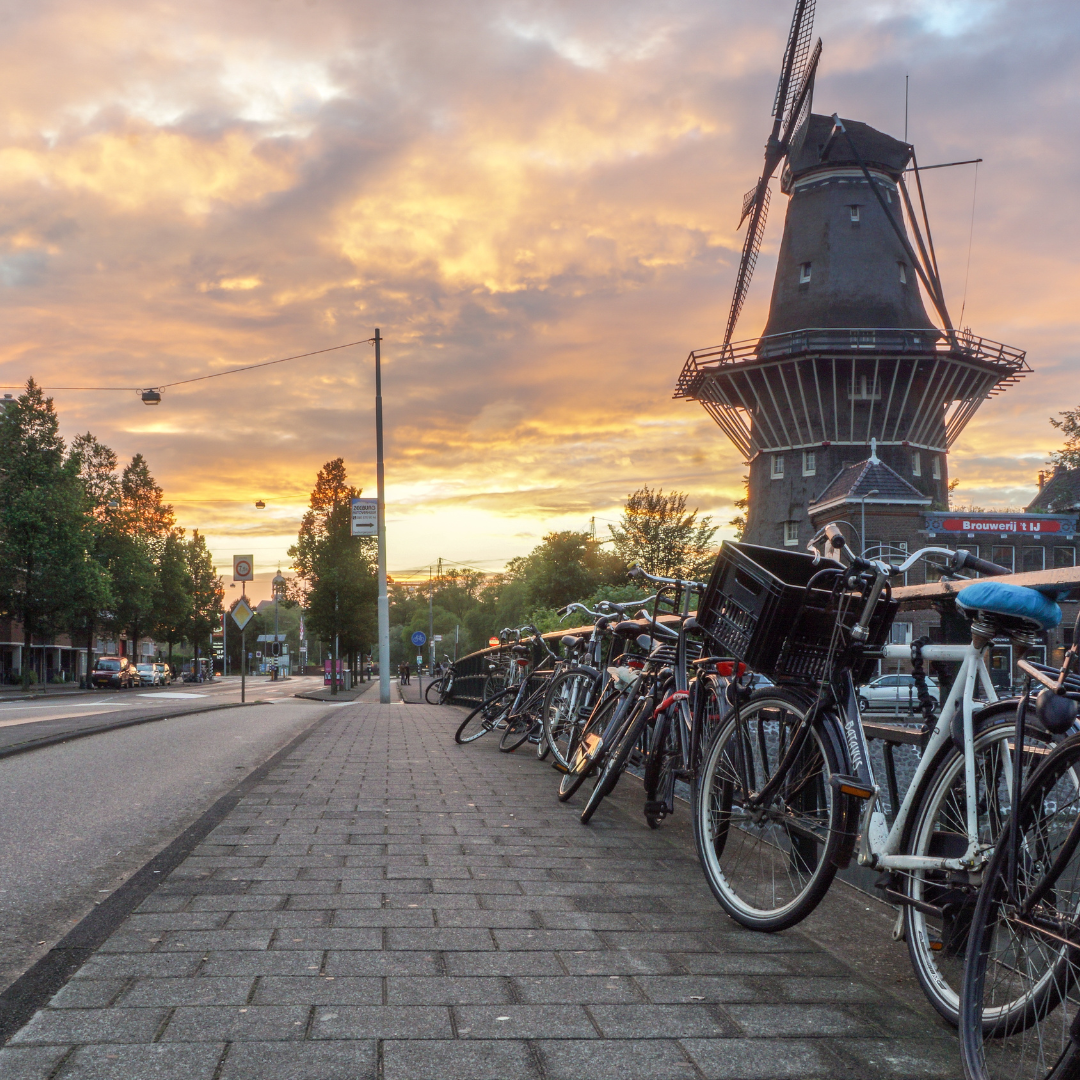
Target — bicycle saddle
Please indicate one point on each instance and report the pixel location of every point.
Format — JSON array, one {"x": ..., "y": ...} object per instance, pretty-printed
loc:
[{"x": 1012, "y": 601}]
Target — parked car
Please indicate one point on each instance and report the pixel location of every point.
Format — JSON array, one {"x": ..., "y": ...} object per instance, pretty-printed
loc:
[
  {"x": 114, "y": 671},
  {"x": 164, "y": 674},
  {"x": 889, "y": 691},
  {"x": 148, "y": 675}
]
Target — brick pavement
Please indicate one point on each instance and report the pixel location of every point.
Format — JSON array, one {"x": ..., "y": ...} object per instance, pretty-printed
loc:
[{"x": 390, "y": 905}]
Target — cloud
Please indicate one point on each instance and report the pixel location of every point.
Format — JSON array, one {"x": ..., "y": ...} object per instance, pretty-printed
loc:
[{"x": 535, "y": 202}]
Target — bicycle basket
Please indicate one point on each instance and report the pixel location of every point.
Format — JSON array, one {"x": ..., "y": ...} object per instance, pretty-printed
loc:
[{"x": 757, "y": 607}]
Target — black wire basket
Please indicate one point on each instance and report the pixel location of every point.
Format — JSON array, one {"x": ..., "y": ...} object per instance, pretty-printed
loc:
[{"x": 758, "y": 608}]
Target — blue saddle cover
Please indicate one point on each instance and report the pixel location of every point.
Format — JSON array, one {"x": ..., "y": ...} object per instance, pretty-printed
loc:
[{"x": 999, "y": 598}]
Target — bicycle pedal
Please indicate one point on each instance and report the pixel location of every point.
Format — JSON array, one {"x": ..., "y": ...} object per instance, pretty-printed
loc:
[
  {"x": 558, "y": 766},
  {"x": 851, "y": 785},
  {"x": 655, "y": 808}
]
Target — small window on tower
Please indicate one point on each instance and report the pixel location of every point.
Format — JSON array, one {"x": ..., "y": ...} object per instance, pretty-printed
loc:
[
  {"x": 791, "y": 534},
  {"x": 903, "y": 273},
  {"x": 854, "y": 213},
  {"x": 916, "y": 464},
  {"x": 935, "y": 467},
  {"x": 777, "y": 472},
  {"x": 809, "y": 462},
  {"x": 804, "y": 274}
]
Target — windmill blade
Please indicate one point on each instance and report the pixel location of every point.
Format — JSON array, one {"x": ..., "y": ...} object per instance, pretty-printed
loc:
[
  {"x": 751, "y": 247},
  {"x": 795, "y": 58},
  {"x": 803, "y": 99}
]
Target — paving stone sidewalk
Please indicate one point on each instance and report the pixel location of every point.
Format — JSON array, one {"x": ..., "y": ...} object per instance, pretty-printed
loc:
[{"x": 389, "y": 905}]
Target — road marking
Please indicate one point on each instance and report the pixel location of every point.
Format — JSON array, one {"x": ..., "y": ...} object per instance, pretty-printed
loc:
[{"x": 173, "y": 695}]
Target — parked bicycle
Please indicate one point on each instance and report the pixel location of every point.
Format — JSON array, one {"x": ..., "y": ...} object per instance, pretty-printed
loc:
[
  {"x": 440, "y": 690},
  {"x": 787, "y": 794},
  {"x": 1020, "y": 1008}
]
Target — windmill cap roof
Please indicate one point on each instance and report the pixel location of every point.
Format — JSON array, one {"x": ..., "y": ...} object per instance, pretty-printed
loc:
[
  {"x": 854, "y": 482},
  {"x": 875, "y": 147}
]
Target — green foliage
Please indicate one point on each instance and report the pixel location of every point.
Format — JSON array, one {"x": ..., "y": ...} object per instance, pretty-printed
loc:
[
  {"x": 658, "y": 534},
  {"x": 44, "y": 525},
  {"x": 173, "y": 604},
  {"x": 564, "y": 568},
  {"x": 1069, "y": 426},
  {"x": 206, "y": 592},
  {"x": 335, "y": 570},
  {"x": 738, "y": 522}
]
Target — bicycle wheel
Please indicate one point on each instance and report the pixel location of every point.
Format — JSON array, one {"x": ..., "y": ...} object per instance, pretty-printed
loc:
[
  {"x": 1019, "y": 1004},
  {"x": 446, "y": 690},
  {"x": 567, "y": 705},
  {"x": 516, "y": 731},
  {"x": 937, "y": 939},
  {"x": 588, "y": 747},
  {"x": 485, "y": 716},
  {"x": 433, "y": 688},
  {"x": 660, "y": 768},
  {"x": 615, "y": 762},
  {"x": 769, "y": 865}
]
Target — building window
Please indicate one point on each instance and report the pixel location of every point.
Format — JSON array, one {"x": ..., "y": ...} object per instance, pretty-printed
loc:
[
  {"x": 935, "y": 467},
  {"x": 865, "y": 388},
  {"x": 854, "y": 213},
  {"x": 777, "y": 472},
  {"x": 1003, "y": 556},
  {"x": 903, "y": 273},
  {"x": 916, "y": 463},
  {"x": 1064, "y": 556},
  {"x": 809, "y": 462},
  {"x": 1032, "y": 558},
  {"x": 791, "y": 534},
  {"x": 900, "y": 633},
  {"x": 804, "y": 274},
  {"x": 934, "y": 570}
]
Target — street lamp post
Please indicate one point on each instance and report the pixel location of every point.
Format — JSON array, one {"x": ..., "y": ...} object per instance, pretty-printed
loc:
[{"x": 384, "y": 601}]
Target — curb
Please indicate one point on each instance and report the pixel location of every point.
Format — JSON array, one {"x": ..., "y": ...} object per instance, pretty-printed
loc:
[
  {"x": 37, "y": 985},
  {"x": 97, "y": 729}
]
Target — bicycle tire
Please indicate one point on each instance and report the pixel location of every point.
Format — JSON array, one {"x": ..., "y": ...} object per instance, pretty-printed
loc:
[
  {"x": 584, "y": 755},
  {"x": 485, "y": 716},
  {"x": 1003, "y": 996},
  {"x": 437, "y": 687},
  {"x": 566, "y": 708},
  {"x": 615, "y": 762},
  {"x": 796, "y": 841},
  {"x": 937, "y": 945},
  {"x": 659, "y": 770},
  {"x": 516, "y": 732}
]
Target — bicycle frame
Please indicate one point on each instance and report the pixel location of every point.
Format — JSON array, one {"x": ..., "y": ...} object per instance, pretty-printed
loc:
[{"x": 880, "y": 845}]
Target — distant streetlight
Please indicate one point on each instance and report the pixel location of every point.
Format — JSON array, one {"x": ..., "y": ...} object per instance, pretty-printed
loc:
[
  {"x": 260, "y": 505},
  {"x": 151, "y": 397}
]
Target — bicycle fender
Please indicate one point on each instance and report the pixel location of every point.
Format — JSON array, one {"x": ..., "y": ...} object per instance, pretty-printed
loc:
[
  {"x": 850, "y": 812},
  {"x": 584, "y": 668}
]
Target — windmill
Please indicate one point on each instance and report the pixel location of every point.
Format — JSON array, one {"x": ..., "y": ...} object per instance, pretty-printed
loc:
[{"x": 849, "y": 367}]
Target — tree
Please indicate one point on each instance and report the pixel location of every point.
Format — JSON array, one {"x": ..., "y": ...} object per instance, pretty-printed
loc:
[
  {"x": 206, "y": 592},
  {"x": 43, "y": 535},
  {"x": 738, "y": 522},
  {"x": 567, "y": 566},
  {"x": 335, "y": 570},
  {"x": 1069, "y": 425},
  {"x": 173, "y": 607},
  {"x": 92, "y": 593},
  {"x": 133, "y": 538},
  {"x": 658, "y": 534}
]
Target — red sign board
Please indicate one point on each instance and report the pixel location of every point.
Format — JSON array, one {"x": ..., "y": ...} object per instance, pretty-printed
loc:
[{"x": 999, "y": 525}]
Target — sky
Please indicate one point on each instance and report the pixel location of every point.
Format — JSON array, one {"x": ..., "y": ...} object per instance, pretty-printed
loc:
[{"x": 535, "y": 202}]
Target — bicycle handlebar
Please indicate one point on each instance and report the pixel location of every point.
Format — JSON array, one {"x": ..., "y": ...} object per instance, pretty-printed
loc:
[
  {"x": 637, "y": 574},
  {"x": 964, "y": 560}
]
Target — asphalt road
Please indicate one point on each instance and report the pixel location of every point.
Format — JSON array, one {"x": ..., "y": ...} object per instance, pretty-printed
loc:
[{"x": 78, "y": 818}]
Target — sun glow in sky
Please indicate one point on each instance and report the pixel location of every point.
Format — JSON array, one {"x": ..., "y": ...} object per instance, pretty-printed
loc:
[{"x": 536, "y": 203}]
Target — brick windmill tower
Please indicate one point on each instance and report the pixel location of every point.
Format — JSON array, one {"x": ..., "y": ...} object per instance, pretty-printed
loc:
[{"x": 850, "y": 368}]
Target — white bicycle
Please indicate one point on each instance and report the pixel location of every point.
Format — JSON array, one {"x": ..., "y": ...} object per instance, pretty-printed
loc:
[{"x": 788, "y": 794}]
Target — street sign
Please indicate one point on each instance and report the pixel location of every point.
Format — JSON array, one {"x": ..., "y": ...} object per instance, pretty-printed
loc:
[
  {"x": 437, "y": 637},
  {"x": 418, "y": 638},
  {"x": 365, "y": 517},
  {"x": 258, "y": 655},
  {"x": 243, "y": 568},
  {"x": 242, "y": 613}
]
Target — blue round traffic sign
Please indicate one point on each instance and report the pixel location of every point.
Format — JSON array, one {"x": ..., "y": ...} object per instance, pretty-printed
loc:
[{"x": 418, "y": 638}]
